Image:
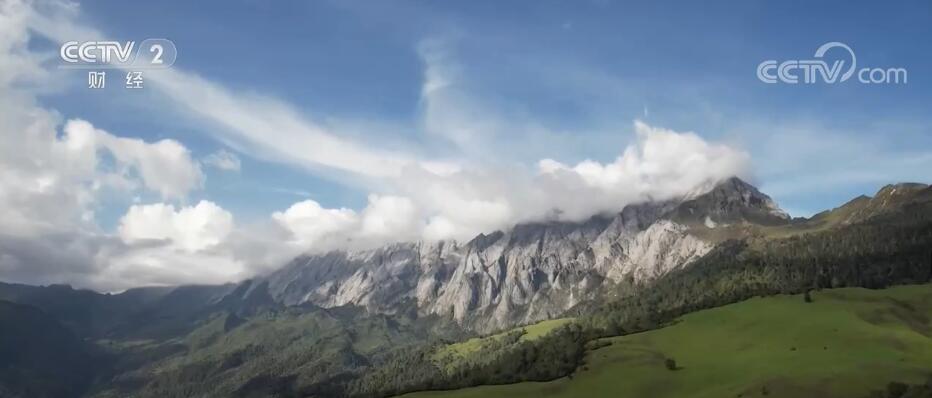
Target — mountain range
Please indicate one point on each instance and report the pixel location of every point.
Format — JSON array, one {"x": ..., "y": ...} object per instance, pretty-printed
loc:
[
  {"x": 337, "y": 315},
  {"x": 532, "y": 272}
]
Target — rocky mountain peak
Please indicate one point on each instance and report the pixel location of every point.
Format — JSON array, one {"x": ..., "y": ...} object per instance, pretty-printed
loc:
[
  {"x": 903, "y": 189},
  {"x": 738, "y": 192},
  {"x": 888, "y": 198},
  {"x": 731, "y": 201}
]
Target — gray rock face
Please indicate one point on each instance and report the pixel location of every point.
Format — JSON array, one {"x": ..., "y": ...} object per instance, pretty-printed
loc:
[{"x": 532, "y": 272}]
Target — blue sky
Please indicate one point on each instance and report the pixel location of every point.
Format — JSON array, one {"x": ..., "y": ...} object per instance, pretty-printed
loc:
[
  {"x": 374, "y": 121},
  {"x": 584, "y": 68}
]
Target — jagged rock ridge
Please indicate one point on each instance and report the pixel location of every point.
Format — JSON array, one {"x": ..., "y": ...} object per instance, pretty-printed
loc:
[{"x": 532, "y": 272}]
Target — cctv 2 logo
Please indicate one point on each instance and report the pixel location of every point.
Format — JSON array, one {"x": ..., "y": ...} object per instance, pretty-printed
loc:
[
  {"x": 817, "y": 70},
  {"x": 151, "y": 53}
]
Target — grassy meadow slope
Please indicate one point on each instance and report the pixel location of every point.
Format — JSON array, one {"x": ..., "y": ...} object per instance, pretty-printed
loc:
[
  {"x": 845, "y": 343},
  {"x": 477, "y": 348}
]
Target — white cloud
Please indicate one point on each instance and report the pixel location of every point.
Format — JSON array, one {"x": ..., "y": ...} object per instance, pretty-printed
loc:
[
  {"x": 390, "y": 218},
  {"x": 661, "y": 165},
  {"x": 274, "y": 130},
  {"x": 265, "y": 126},
  {"x": 164, "y": 166},
  {"x": 50, "y": 176},
  {"x": 223, "y": 160},
  {"x": 448, "y": 112},
  {"x": 188, "y": 228},
  {"x": 157, "y": 265},
  {"x": 458, "y": 204},
  {"x": 386, "y": 218},
  {"x": 53, "y": 175},
  {"x": 50, "y": 184},
  {"x": 314, "y": 226}
]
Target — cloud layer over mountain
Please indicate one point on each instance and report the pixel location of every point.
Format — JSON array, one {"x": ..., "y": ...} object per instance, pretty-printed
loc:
[{"x": 55, "y": 173}]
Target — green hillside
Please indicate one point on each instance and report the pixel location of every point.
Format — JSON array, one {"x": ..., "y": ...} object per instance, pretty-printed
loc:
[
  {"x": 274, "y": 354},
  {"x": 40, "y": 358},
  {"x": 845, "y": 343},
  {"x": 474, "y": 349}
]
